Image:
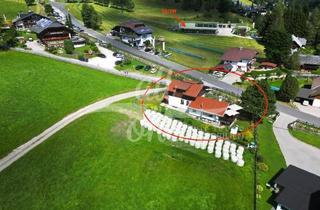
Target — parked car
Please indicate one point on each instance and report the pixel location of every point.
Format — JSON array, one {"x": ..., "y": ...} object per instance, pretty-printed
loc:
[
  {"x": 147, "y": 68},
  {"x": 139, "y": 67},
  {"x": 84, "y": 59},
  {"x": 118, "y": 62},
  {"x": 101, "y": 55}
]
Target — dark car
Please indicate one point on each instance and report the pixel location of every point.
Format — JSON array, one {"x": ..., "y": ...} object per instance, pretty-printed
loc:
[
  {"x": 115, "y": 54},
  {"x": 147, "y": 68},
  {"x": 101, "y": 55},
  {"x": 118, "y": 62},
  {"x": 139, "y": 67},
  {"x": 84, "y": 59}
]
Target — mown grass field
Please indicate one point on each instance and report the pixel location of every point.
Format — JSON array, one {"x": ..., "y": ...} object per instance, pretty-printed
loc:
[
  {"x": 36, "y": 92},
  {"x": 10, "y": 8},
  {"x": 92, "y": 164},
  {"x": 272, "y": 156},
  {"x": 307, "y": 137},
  {"x": 209, "y": 47}
]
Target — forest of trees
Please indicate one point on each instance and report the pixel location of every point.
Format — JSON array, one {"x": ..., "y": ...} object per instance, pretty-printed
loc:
[{"x": 286, "y": 18}]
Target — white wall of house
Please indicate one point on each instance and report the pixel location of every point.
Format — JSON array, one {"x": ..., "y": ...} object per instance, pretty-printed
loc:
[
  {"x": 239, "y": 66},
  {"x": 204, "y": 115},
  {"x": 178, "y": 102},
  {"x": 316, "y": 103}
]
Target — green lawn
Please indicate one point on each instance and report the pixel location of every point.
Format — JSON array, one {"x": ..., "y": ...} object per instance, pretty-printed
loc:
[
  {"x": 11, "y": 8},
  {"x": 302, "y": 82},
  {"x": 91, "y": 164},
  {"x": 272, "y": 156},
  {"x": 209, "y": 47},
  {"x": 36, "y": 92},
  {"x": 307, "y": 137}
]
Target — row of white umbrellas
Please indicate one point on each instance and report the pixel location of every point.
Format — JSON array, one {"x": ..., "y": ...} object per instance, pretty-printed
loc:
[{"x": 175, "y": 130}]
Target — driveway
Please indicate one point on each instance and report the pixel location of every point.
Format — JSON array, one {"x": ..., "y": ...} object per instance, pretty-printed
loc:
[
  {"x": 315, "y": 111},
  {"x": 296, "y": 152},
  {"x": 25, "y": 148}
]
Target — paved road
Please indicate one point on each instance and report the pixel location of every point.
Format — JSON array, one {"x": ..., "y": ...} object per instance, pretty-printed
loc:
[
  {"x": 25, "y": 148},
  {"x": 296, "y": 152},
  {"x": 207, "y": 79}
]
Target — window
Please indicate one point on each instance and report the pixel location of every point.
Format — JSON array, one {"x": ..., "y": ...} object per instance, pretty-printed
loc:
[{"x": 182, "y": 102}]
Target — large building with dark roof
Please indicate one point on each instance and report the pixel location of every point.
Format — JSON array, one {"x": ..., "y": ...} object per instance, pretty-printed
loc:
[
  {"x": 296, "y": 189},
  {"x": 27, "y": 20},
  {"x": 51, "y": 33},
  {"x": 134, "y": 33},
  {"x": 309, "y": 62}
]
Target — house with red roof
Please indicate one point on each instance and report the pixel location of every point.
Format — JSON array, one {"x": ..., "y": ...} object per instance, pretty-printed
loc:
[
  {"x": 241, "y": 59},
  {"x": 213, "y": 111},
  {"x": 187, "y": 96},
  {"x": 181, "y": 93}
]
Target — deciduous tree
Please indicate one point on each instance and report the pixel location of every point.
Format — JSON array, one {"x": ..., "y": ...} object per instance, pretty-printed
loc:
[{"x": 253, "y": 101}]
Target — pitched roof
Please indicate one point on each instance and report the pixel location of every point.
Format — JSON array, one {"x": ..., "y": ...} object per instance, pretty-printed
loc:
[
  {"x": 299, "y": 41},
  {"x": 190, "y": 88},
  {"x": 23, "y": 16},
  {"x": 238, "y": 54},
  {"x": 299, "y": 186},
  {"x": 269, "y": 64},
  {"x": 309, "y": 59},
  {"x": 209, "y": 105},
  {"x": 44, "y": 24},
  {"x": 137, "y": 26}
]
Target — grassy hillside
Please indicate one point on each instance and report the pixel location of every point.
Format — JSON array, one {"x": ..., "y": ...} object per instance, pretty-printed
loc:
[
  {"x": 36, "y": 92},
  {"x": 92, "y": 164},
  {"x": 209, "y": 47},
  {"x": 10, "y": 8}
]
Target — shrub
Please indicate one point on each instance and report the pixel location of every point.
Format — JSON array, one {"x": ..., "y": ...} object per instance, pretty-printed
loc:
[
  {"x": 248, "y": 136},
  {"x": 94, "y": 48},
  {"x": 52, "y": 50},
  {"x": 68, "y": 46},
  {"x": 81, "y": 57},
  {"x": 263, "y": 167},
  {"x": 126, "y": 62},
  {"x": 259, "y": 189},
  {"x": 260, "y": 158}
]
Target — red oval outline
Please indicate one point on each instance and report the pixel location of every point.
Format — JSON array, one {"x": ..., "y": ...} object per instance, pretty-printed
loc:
[{"x": 252, "y": 81}]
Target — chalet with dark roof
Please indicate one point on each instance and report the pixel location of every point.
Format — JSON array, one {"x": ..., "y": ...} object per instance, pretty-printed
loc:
[
  {"x": 51, "y": 33},
  {"x": 241, "y": 59},
  {"x": 310, "y": 95},
  {"x": 134, "y": 33},
  {"x": 309, "y": 62},
  {"x": 27, "y": 20},
  {"x": 296, "y": 189}
]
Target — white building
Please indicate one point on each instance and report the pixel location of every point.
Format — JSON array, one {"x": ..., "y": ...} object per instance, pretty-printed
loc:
[
  {"x": 181, "y": 93},
  {"x": 186, "y": 96},
  {"x": 134, "y": 33},
  {"x": 241, "y": 59}
]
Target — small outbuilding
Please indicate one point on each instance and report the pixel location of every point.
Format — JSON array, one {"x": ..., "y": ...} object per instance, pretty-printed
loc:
[{"x": 268, "y": 66}]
